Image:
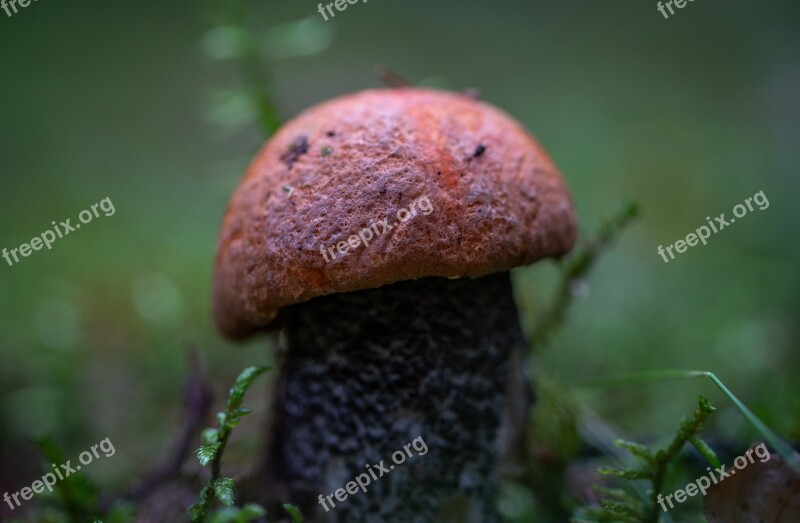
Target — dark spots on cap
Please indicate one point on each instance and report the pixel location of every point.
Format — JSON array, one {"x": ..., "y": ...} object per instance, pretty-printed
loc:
[
  {"x": 330, "y": 134},
  {"x": 297, "y": 149},
  {"x": 479, "y": 151}
]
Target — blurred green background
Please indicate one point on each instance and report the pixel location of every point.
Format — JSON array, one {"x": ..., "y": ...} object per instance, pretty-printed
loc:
[{"x": 138, "y": 102}]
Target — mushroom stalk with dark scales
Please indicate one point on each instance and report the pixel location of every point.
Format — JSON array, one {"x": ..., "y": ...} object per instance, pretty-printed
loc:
[
  {"x": 416, "y": 333},
  {"x": 368, "y": 371}
]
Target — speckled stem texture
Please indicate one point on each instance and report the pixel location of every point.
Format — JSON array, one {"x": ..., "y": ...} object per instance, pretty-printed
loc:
[{"x": 367, "y": 372}]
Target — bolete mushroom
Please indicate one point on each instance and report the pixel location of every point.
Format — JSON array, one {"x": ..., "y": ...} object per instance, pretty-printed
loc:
[{"x": 410, "y": 331}]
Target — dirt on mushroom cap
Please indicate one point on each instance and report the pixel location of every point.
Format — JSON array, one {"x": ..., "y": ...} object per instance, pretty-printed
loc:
[{"x": 496, "y": 209}]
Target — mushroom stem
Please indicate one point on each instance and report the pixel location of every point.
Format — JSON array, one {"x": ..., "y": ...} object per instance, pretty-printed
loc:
[{"x": 368, "y": 372}]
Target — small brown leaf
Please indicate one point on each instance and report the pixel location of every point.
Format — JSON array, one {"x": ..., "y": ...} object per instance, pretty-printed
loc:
[{"x": 765, "y": 491}]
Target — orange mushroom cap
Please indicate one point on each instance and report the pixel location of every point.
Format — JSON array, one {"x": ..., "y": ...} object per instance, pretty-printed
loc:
[{"x": 496, "y": 202}]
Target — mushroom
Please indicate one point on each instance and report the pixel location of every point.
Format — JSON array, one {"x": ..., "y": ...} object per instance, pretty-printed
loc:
[{"x": 410, "y": 332}]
